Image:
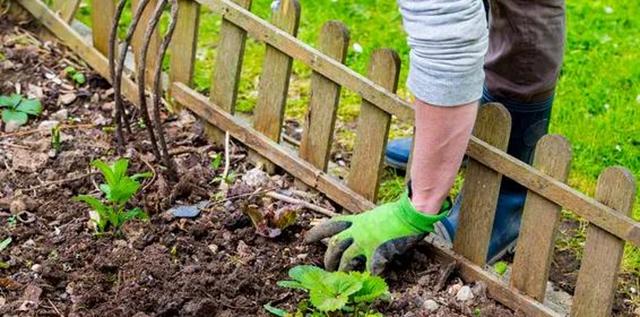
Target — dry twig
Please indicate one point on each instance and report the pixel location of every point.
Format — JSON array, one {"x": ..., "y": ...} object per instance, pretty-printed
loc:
[{"x": 302, "y": 203}]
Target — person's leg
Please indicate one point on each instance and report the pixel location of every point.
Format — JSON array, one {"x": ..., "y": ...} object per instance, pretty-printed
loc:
[{"x": 522, "y": 67}]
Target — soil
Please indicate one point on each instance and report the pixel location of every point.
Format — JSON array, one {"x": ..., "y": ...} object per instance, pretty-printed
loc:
[{"x": 211, "y": 265}]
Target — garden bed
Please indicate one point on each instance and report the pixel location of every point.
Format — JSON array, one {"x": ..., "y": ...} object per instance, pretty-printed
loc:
[{"x": 214, "y": 264}]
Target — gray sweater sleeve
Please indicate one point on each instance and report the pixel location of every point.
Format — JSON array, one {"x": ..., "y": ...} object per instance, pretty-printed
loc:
[{"x": 448, "y": 40}]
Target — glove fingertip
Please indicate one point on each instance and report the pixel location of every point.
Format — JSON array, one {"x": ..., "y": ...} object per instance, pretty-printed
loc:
[{"x": 325, "y": 230}]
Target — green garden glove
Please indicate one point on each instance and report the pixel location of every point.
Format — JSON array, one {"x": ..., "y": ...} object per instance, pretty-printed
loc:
[{"x": 375, "y": 236}]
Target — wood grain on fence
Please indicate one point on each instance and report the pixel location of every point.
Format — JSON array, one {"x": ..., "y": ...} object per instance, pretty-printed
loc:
[
  {"x": 276, "y": 72},
  {"x": 184, "y": 44},
  {"x": 228, "y": 68},
  {"x": 481, "y": 187},
  {"x": 138, "y": 39},
  {"x": 373, "y": 128},
  {"x": 540, "y": 218},
  {"x": 66, "y": 8},
  {"x": 562, "y": 194},
  {"x": 320, "y": 119},
  {"x": 598, "y": 276},
  {"x": 102, "y": 14}
]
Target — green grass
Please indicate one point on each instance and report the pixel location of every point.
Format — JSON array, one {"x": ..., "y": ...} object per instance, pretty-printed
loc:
[{"x": 598, "y": 96}]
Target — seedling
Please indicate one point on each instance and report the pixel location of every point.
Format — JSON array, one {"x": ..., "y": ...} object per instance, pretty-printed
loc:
[
  {"x": 118, "y": 189},
  {"x": 75, "y": 75},
  {"x": 56, "y": 142},
  {"x": 3, "y": 245},
  {"x": 501, "y": 267},
  {"x": 18, "y": 108},
  {"x": 333, "y": 293},
  {"x": 216, "y": 161}
]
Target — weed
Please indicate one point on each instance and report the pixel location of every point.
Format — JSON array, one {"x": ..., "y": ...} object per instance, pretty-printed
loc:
[
  {"x": 75, "y": 75},
  {"x": 56, "y": 142},
  {"x": 333, "y": 293},
  {"x": 216, "y": 161},
  {"x": 501, "y": 267},
  {"x": 118, "y": 189},
  {"x": 18, "y": 108},
  {"x": 3, "y": 245}
]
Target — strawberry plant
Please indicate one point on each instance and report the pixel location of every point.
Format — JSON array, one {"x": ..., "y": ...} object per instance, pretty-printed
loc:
[
  {"x": 18, "y": 108},
  {"x": 118, "y": 190},
  {"x": 333, "y": 293}
]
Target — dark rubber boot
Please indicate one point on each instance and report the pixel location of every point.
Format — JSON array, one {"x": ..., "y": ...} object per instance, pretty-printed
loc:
[{"x": 530, "y": 123}]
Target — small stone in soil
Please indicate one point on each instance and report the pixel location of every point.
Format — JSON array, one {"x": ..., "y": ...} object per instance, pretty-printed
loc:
[
  {"x": 60, "y": 115},
  {"x": 28, "y": 161},
  {"x": 46, "y": 126},
  {"x": 430, "y": 305},
  {"x": 67, "y": 99},
  {"x": 464, "y": 294},
  {"x": 188, "y": 211}
]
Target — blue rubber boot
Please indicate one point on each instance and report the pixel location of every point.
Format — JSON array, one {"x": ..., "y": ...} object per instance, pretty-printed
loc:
[{"x": 529, "y": 123}]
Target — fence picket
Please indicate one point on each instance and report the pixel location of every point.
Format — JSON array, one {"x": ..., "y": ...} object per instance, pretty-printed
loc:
[
  {"x": 226, "y": 76},
  {"x": 373, "y": 128},
  {"x": 540, "y": 218},
  {"x": 66, "y": 8},
  {"x": 183, "y": 46},
  {"x": 102, "y": 13},
  {"x": 603, "y": 251},
  {"x": 274, "y": 81},
  {"x": 481, "y": 187},
  {"x": 320, "y": 119},
  {"x": 154, "y": 46}
]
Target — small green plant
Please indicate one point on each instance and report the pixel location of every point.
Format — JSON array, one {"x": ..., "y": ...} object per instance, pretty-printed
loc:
[
  {"x": 333, "y": 293},
  {"x": 56, "y": 142},
  {"x": 216, "y": 161},
  {"x": 118, "y": 189},
  {"x": 75, "y": 75},
  {"x": 501, "y": 267},
  {"x": 18, "y": 108},
  {"x": 3, "y": 245}
]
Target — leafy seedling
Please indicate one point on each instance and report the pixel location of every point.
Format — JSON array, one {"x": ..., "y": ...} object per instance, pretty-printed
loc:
[
  {"x": 75, "y": 75},
  {"x": 269, "y": 222},
  {"x": 56, "y": 142},
  {"x": 334, "y": 293},
  {"x": 18, "y": 108},
  {"x": 3, "y": 245},
  {"x": 501, "y": 267},
  {"x": 118, "y": 190},
  {"x": 216, "y": 161}
]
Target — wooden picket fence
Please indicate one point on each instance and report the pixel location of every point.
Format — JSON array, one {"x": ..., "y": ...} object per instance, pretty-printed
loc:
[{"x": 610, "y": 225}]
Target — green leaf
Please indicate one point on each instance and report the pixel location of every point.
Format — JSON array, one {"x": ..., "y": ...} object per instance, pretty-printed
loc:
[
  {"x": 308, "y": 275},
  {"x": 4, "y": 265},
  {"x": 501, "y": 267},
  {"x": 5, "y": 243},
  {"x": 333, "y": 292},
  {"x": 10, "y": 102},
  {"x": 94, "y": 203},
  {"x": 105, "y": 170},
  {"x": 144, "y": 175},
  {"x": 292, "y": 284},
  {"x": 216, "y": 161},
  {"x": 79, "y": 78},
  {"x": 276, "y": 311},
  {"x": 373, "y": 287},
  {"x": 17, "y": 117},
  {"x": 70, "y": 70},
  {"x": 119, "y": 169},
  {"x": 123, "y": 190},
  {"x": 30, "y": 106},
  {"x": 135, "y": 213}
]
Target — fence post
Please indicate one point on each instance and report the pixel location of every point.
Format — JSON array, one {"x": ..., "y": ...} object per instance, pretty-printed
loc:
[
  {"x": 66, "y": 9},
  {"x": 184, "y": 45},
  {"x": 597, "y": 279},
  {"x": 320, "y": 119},
  {"x": 154, "y": 45},
  {"x": 102, "y": 13},
  {"x": 226, "y": 76},
  {"x": 540, "y": 218},
  {"x": 373, "y": 128},
  {"x": 276, "y": 72},
  {"x": 481, "y": 187}
]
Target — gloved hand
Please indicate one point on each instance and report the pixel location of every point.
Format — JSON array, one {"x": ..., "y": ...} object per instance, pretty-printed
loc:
[{"x": 375, "y": 236}]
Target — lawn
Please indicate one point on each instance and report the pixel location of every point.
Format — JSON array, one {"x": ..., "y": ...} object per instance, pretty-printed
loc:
[{"x": 598, "y": 97}]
